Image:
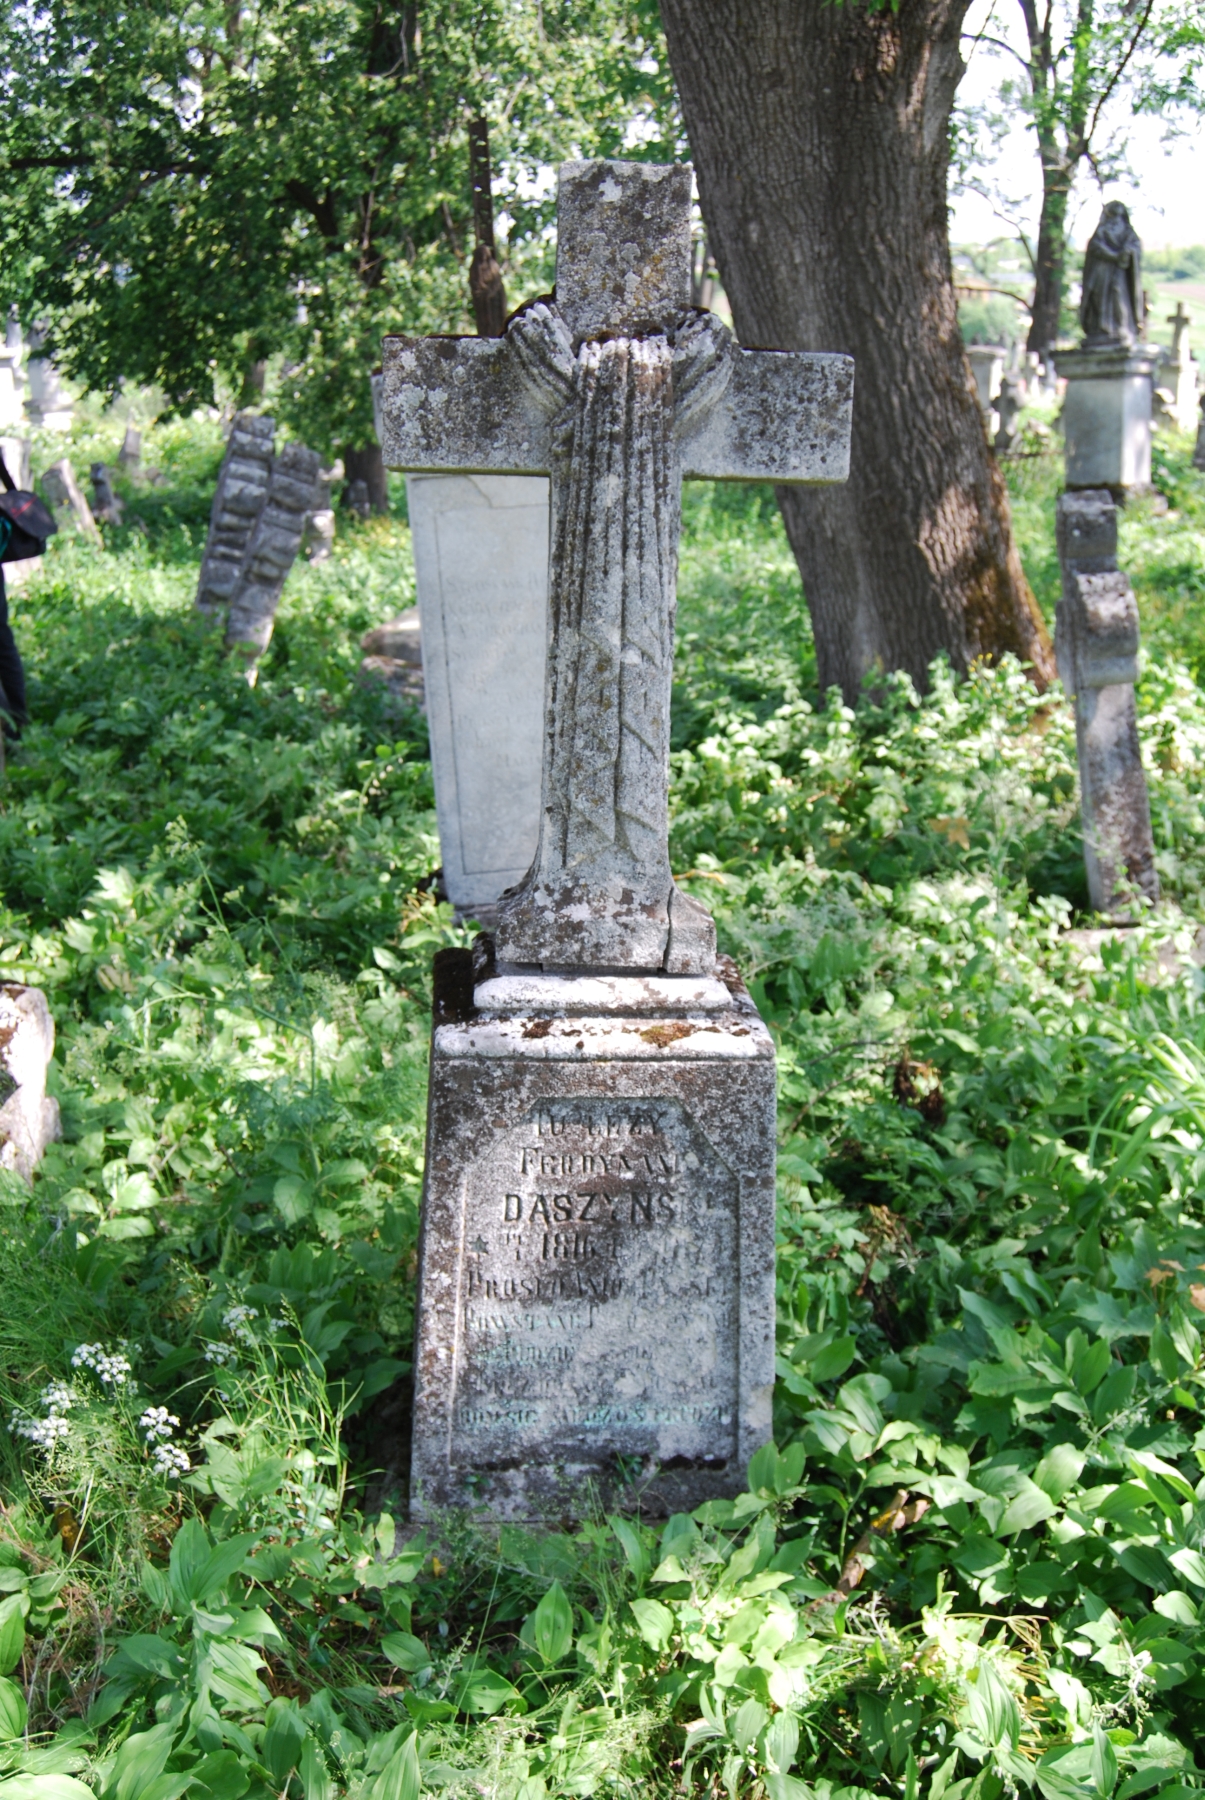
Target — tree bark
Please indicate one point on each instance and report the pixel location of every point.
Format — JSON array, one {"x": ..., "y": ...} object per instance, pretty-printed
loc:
[
  {"x": 367, "y": 465},
  {"x": 820, "y": 136},
  {"x": 1049, "y": 261}
]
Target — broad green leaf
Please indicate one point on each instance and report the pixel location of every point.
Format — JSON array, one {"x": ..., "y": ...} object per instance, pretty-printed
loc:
[
  {"x": 13, "y": 1710},
  {"x": 1027, "y": 1508},
  {"x": 763, "y": 1466},
  {"x": 634, "y": 1548},
  {"x": 12, "y": 1632},
  {"x": 655, "y": 1623},
  {"x": 833, "y": 1360},
  {"x": 1104, "y": 1762},
  {"x": 1190, "y": 1564},
  {"x": 44, "y": 1787},
  {"x": 552, "y": 1625},
  {"x": 139, "y": 1762},
  {"x": 1059, "y": 1470},
  {"x": 400, "y": 1778},
  {"x": 219, "y": 1776},
  {"x": 316, "y": 1783},
  {"x": 405, "y": 1651},
  {"x": 283, "y": 1740},
  {"x": 486, "y": 1692},
  {"x": 1164, "y": 1354},
  {"x": 782, "y": 1741},
  {"x": 748, "y": 1721}
]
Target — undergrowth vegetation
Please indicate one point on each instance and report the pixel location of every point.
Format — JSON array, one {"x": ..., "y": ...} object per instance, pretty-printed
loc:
[{"x": 972, "y": 1563}]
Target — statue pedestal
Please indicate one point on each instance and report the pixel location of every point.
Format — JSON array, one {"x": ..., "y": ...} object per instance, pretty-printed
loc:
[{"x": 1107, "y": 417}]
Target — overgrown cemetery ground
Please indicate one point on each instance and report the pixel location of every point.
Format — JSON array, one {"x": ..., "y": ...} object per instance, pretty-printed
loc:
[{"x": 975, "y": 1562}]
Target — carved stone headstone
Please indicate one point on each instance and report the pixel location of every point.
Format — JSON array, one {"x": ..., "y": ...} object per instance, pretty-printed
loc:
[
  {"x": 239, "y": 500},
  {"x": 130, "y": 454},
  {"x": 481, "y": 570},
  {"x": 47, "y": 401},
  {"x": 1096, "y": 643},
  {"x": 1010, "y": 402},
  {"x": 393, "y": 653},
  {"x": 987, "y": 367},
  {"x": 1198, "y": 455},
  {"x": 106, "y": 505},
  {"x": 596, "y": 1287},
  {"x": 320, "y": 519},
  {"x": 271, "y": 553},
  {"x": 62, "y": 489}
]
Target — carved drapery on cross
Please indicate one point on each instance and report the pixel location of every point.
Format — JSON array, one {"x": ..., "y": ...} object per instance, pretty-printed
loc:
[
  {"x": 600, "y": 892},
  {"x": 617, "y": 389}
]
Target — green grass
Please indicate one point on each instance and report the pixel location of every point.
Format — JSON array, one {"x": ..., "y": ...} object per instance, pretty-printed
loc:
[{"x": 990, "y": 1249}]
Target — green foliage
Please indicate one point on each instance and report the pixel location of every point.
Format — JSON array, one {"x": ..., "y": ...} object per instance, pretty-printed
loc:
[
  {"x": 218, "y": 185},
  {"x": 971, "y": 1563}
]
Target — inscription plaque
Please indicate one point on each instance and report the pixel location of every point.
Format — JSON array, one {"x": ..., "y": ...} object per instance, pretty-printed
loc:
[{"x": 597, "y": 1292}]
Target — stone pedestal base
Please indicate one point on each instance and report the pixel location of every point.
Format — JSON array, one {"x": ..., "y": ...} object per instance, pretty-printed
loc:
[
  {"x": 596, "y": 1304},
  {"x": 1107, "y": 418},
  {"x": 29, "y": 1117}
]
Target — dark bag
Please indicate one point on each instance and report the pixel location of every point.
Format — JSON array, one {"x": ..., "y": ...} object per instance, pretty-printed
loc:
[{"x": 25, "y": 521}]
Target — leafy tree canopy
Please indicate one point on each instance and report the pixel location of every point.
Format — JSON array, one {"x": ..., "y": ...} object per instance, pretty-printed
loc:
[{"x": 194, "y": 187}]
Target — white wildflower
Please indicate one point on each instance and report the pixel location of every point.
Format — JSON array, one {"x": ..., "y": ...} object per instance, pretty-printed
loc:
[
  {"x": 221, "y": 1354},
  {"x": 109, "y": 1366},
  {"x": 158, "y": 1423},
  {"x": 237, "y": 1320},
  {"x": 170, "y": 1460},
  {"x": 58, "y": 1398}
]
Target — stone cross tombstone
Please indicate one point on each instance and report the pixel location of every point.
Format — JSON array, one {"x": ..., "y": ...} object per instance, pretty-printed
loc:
[
  {"x": 596, "y": 1300},
  {"x": 1096, "y": 643},
  {"x": 1176, "y": 374}
]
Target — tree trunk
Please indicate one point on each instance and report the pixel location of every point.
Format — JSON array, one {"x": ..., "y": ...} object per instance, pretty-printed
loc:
[
  {"x": 820, "y": 135},
  {"x": 368, "y": 466},
  {"x": 1049, "y": 261}
]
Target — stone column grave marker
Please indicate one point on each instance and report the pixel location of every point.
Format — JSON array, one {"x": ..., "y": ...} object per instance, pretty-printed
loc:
[
  {"x": 1096, "y": 643},
  {"x": 596, "y": 1299}
]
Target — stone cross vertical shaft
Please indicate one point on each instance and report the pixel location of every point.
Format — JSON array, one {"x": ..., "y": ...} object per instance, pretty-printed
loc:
[{"x": 617, "y": 388}]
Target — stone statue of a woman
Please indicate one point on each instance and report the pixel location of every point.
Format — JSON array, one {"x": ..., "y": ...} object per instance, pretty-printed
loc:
[{"x": 1111, "y": 309}]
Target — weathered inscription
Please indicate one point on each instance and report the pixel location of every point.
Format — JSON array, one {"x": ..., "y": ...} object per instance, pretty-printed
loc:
[{"x": 598, "y": 1290}]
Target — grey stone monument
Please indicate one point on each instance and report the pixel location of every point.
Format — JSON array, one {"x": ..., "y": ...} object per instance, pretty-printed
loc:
[
  {"x": 320, "y": 520},
  {"x": 106, "y": 505},
  {"x": 1010, "y": 403},
  {"x": 62, "y": 489},
  {"x": 1198, "y": 454},
  {"x": 597, "y": 1268},
  {"x": 481, "y": 576},
  {"x": 1107, "y": 406},
  {"x": 1096, "y": 643},
  {"x": 130, "y": 455},
  {"x": 271, "y": 553},
  {"x": 241, "y": 491},
  {"x": 29, "y": 1116},
  {"x": 987, "y": 367}
]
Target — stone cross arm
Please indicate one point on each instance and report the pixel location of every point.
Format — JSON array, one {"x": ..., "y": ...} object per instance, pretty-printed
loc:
[{"x": 466, "y": 405}]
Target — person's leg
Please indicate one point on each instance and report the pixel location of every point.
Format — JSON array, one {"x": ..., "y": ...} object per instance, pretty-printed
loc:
[{"x": 12, "y": 670}]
